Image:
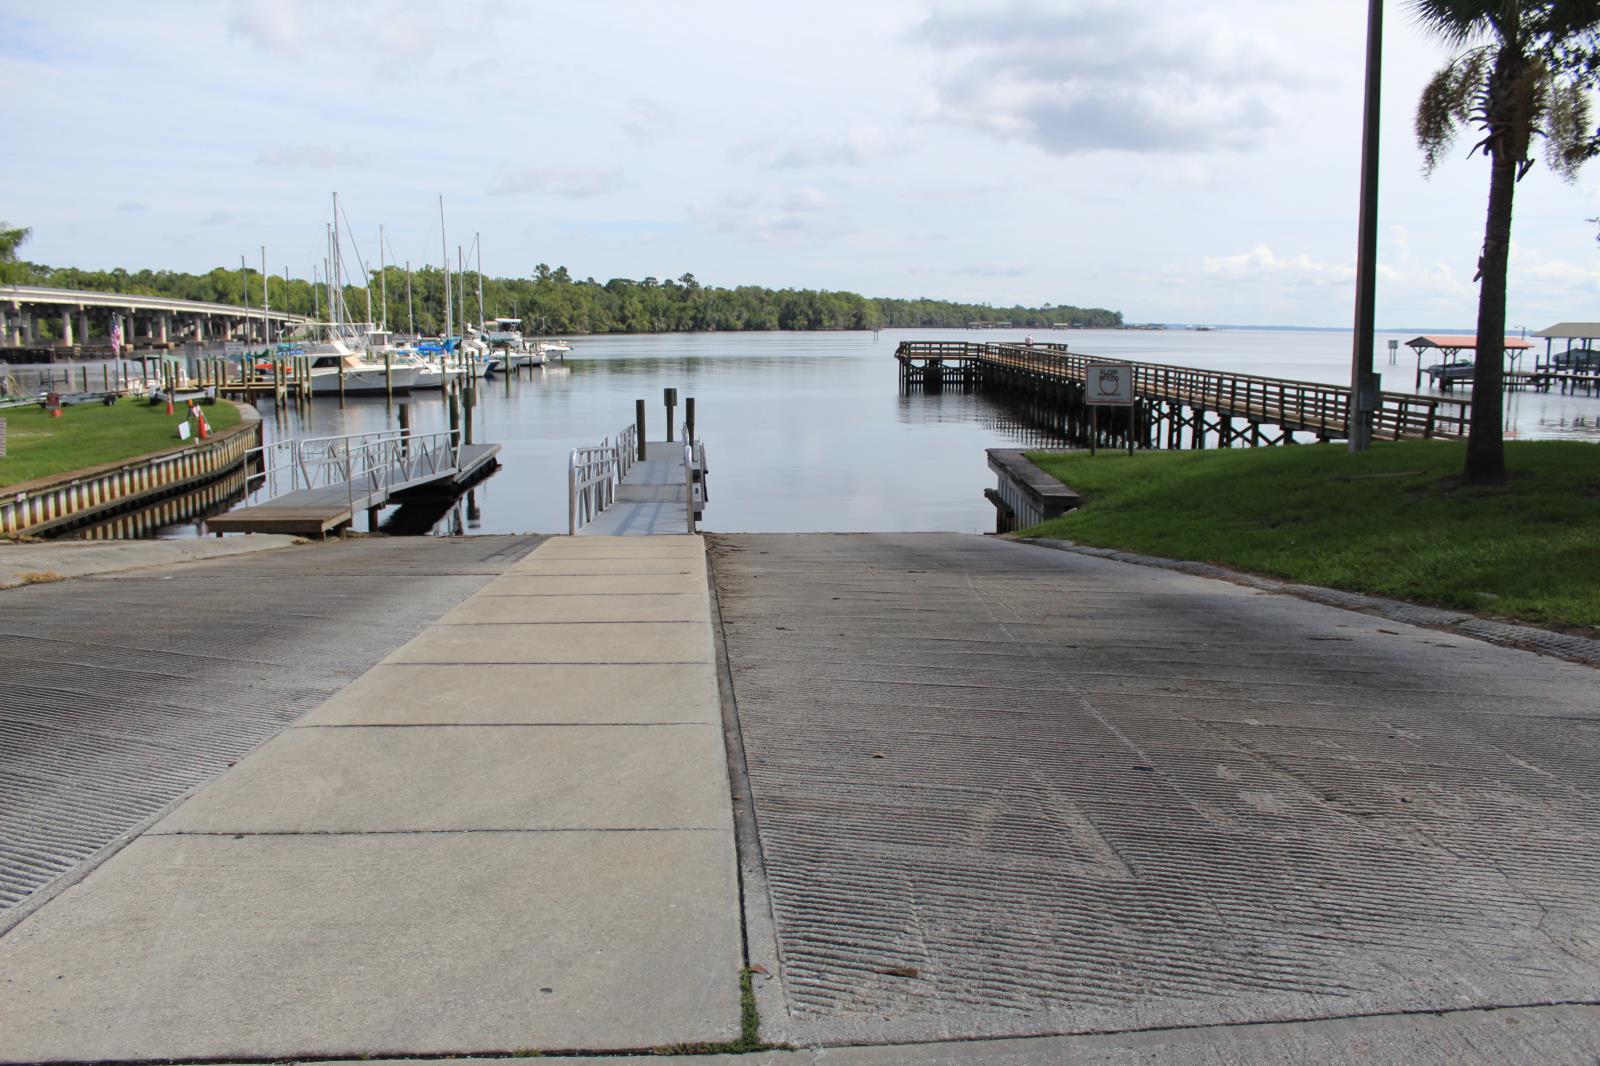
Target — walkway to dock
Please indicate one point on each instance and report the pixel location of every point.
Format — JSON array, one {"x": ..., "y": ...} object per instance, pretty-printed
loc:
[
  {"x": 1175, "y": 406},
  {"x": 385, "y": 466},
  {"x": 514, "y": 832},
  {"x": 651, "y": 498}
]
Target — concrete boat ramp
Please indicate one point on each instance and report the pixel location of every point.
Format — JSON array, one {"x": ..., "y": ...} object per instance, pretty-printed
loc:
[{"x": 943, "y": 798}]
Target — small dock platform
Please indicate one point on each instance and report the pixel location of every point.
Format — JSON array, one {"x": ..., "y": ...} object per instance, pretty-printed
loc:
[{"x": 319, "y": 509}]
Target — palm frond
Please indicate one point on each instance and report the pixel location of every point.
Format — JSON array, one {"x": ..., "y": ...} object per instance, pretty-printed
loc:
[
  {"x": 1570, "y": 136},
  {"x": 1457, "y": 22},
  {"x": 1449, "y": 101}
]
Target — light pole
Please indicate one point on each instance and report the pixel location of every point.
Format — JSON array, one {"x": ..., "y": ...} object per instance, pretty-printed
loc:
[{"x": 1363, "y": 382}]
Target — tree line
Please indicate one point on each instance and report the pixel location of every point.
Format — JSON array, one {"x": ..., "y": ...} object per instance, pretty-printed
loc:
[{"x": 551, "y": 301}]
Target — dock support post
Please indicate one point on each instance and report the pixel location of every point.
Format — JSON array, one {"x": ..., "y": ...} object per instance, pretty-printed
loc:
[
  {"x": 669, "y": 397},
  {"x": 341, "y": 382},
  {"x": 688, "y": 419},
  {"x": 388, "y": 375},
  {"x": 638, "y": 425},
  {"x": 405, "y": 429}
]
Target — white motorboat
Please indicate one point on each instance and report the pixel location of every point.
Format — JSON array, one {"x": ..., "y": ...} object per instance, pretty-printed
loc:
[{"x": 334, "y": 355}]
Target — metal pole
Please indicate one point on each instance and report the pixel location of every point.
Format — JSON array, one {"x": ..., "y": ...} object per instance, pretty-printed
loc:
[
  {"x": 266, "y": 304},
  {"x": 444, "y": 248},
  {"x": 383, "y": 283},
  {"x": 411, "y": 323},
  {"x": 1363, "y": 386}
]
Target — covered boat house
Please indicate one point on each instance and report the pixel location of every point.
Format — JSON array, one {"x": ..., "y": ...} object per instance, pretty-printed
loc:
[{"x": 1458, "y": 354}]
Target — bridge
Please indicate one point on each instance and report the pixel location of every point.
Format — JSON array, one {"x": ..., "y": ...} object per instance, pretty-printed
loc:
[{"x": 44, "y": 322}]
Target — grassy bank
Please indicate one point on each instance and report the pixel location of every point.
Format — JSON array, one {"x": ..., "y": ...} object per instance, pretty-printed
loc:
[
  {"x": 39, "y": 446},
  {"x": 1394, "y": 521}
]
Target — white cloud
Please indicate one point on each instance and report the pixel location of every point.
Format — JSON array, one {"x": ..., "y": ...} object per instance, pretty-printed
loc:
[
  {"x": 383, "y": 31},
  {"x": 859, "y": 146},
  {"x": 1262, "y": 263},
  {"x": 648, "y": 119},
  {"x": 576, "y": 183},
  {"x": 797, "y": 215},
  {"x": 307, "y": 155},
  {"x": 1097, "y": 75}
]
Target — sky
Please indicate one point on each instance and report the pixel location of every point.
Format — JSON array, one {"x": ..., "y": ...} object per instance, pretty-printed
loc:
[{"x": 1178, "y": 162}]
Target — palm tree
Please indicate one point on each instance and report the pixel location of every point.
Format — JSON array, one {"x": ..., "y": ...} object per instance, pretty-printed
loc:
[{"x": 1525, "y": 71}]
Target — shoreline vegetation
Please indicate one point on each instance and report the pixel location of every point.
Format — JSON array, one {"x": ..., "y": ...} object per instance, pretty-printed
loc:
[
  {"x": 91, "y": 435},
  {"x": 1396, "y": 521},
  {"x": 552, "y": 301}
]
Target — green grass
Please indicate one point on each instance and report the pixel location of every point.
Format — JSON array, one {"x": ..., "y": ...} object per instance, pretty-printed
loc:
[
  {"x": 1394, "y": 521},
  {"x": 749, "y": 1029},
  {"x": 38, "y": 445}
]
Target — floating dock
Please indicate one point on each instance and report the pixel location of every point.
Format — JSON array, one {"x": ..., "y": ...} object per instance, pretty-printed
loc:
[{"x": 318, "y": 510}]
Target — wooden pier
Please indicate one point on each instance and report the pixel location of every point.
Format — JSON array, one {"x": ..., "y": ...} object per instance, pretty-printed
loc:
[
  {"x": 331, "y": 480},
  {"x": 1174, "y": 406}
]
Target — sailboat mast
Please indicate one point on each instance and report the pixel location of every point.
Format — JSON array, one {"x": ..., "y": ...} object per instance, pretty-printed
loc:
[
  {"x": 337, "y": 277},
  {"x": 383, "y": 282},
  {"x": 266, "y": 303},
  {"x": 444, "y": 250},
  {"x": 477, "y": 239},
  {"x": 461, "y": 286},
  {"x": 411, "y": 322}
]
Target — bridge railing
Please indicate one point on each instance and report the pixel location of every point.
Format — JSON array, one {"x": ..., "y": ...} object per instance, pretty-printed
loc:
[{"x": 1284, "y": 402}]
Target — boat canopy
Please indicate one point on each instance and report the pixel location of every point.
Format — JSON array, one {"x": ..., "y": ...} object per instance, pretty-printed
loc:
[
  {"x": 1452, "y": 346},
  {"x": 1571, "y": 331}
]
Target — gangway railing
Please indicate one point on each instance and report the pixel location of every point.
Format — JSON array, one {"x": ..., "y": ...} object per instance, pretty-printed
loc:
[
  {"x": 593, "y": 475},
  {"x": 368, "y": 465}
]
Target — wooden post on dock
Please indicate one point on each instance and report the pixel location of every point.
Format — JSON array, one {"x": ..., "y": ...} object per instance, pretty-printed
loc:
[
  {"x": 670, "y": 398},
  {"x": 310, "y": 390},
  {"x": 452, "y": 402},
  {"x": 341, "y": 381},
  {"x": 388, "y": 375},
  {"x": 405, "y": 429},
  {"x": 688, "y": 419},
  {"x": 638, "y": 425}
]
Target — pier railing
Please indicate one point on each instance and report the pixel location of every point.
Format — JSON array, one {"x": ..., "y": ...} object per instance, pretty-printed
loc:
[{"x": 1292, "y": 405}]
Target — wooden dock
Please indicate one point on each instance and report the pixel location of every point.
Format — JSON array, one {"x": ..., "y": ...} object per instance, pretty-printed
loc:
[
  {"x": 1174, "y": 406},
  {"x": 390, "y": 466}
]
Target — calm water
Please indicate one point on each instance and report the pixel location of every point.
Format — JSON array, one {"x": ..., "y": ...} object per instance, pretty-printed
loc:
[{"x": 808, "y": 432}]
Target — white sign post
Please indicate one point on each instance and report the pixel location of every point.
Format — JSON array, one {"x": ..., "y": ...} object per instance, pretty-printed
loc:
[{"x": 1108, "y": 385}]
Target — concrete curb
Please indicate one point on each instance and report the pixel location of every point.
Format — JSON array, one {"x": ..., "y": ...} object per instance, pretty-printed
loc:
[
  {"x": 42, "y": 563},
  {"x": 1526, "y": 638}
]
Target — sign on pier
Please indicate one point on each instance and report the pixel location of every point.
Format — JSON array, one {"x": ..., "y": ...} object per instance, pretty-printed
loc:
[{"x": 1109, "y": 383}]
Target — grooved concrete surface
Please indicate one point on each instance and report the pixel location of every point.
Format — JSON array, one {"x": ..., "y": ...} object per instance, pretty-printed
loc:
[
  {"x": 118, "y": 694},
  {"x": 1003, "y": 790},
  {"x": 425, "y": 868}
]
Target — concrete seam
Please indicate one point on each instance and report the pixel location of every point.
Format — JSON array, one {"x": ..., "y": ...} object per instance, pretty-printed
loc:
[{"x": 755, "y": 898}]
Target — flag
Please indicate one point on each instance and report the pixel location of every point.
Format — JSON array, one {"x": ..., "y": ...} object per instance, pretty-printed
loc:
[{"x": 116, "y": 335}]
